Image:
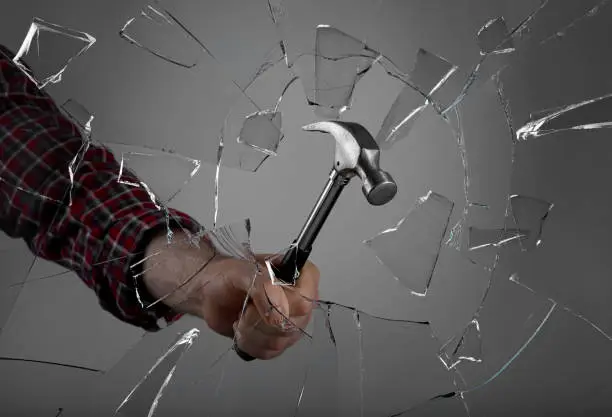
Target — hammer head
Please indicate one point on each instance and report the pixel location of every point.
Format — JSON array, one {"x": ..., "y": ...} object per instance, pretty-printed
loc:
[{"x": 357, "y": 153}]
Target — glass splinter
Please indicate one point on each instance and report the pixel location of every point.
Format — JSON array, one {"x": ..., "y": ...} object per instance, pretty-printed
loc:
[
  {"x": 481, "y": 238},
  {"x": 340, "y": 61},
  {"x": 143, "y": 400},
  {"x": 48, "y": 49},
  {"x": 410, "y": 250},
  {"x": 467, "y": 347},
  {"x": 79, "y": 116},
  {"x": 261, "y": 131},
  {"x": 430, "y": 72},
  {"x": 159, "y": 34},
  {"x": 494, "y": 38},
  {"x": 530, "y": 214},
  {"x": 586, "y": 115}
]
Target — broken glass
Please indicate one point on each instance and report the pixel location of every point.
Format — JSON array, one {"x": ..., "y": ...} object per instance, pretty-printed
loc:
[
  {"x": 48, "y": 49},
  {"x": 494, "y": 38},
  {"x": 587, "y": 115},
  {"x": 507, "y": 297},
  {"x": 410, "y": 249},
  {"x": 143, "y": 400},
  {"x": 429, "y": 73},
  {"x": 155, "y": 31}
]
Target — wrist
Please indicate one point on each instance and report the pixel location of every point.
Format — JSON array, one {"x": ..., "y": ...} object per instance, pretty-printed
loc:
[{"x": 172, "y": 274}]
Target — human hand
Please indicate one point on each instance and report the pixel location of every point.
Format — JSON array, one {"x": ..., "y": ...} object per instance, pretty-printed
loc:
[{"x": 273, "y": 314}]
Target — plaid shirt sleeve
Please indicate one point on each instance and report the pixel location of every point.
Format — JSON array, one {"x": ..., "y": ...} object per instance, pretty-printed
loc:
[{"x": 108, "y": 225}]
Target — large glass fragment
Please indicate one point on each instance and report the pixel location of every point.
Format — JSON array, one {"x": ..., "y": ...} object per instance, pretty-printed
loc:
[
  {"x": 410, "y": 250},
  {"x": 157, "y": 32},
  {"x": 494, "y": 38},
  {"x": 429, "y": 73},
  {"x": 465, "y": 347},
  {"x": 340, "y": 61},
  {"x": 48, "y": 49}
]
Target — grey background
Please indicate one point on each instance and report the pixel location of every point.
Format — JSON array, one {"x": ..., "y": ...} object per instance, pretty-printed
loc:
[{"x": 138, "y": 99}]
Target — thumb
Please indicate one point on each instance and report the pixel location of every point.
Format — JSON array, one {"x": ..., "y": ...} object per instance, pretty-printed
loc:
[{"x": 270, "y": 300}]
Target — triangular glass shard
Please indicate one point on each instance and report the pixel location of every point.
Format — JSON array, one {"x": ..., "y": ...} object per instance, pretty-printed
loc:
[
  {"x": 143, "y": 400},
  {"x": 429, "y": 73},
  {"x": 48, "y": 49},
  {"x": 494, "y": 38},
  {"x": 410, "y": 250},
  {"x": 586, "y": 115},
  {"x": 163, "y": 172},
  {"x": 467, "y": 347},
  {"x": 160, "y": 34}
]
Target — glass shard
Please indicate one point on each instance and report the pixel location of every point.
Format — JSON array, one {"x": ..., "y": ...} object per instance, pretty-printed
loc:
[
  {"x": 243, "y": 53},
  {"x": 586, "y": 115},
  {"x": 319, "y": 392},
  {"x": 466, "y": 347},
  {"x": 410, "y": 250},
  {"x": 505, "y": 330},
  {"x": 160, "y": 34},
  {"x": 340, "y": 60},
  {"x": 164, "y": 173},
  {"x": 429, "y": 73},
  {"x": 529, "y": 214},
  {"x": 79, "y": 116},
  {"x": 481, "y": 238},
  {"x": 48, "y": 49},
  {"x": 144, "y": 398},
  {"x": 451, "y": 404},
  {"x": 494, "y": 38},
  {"x": 261, "y": 131}
]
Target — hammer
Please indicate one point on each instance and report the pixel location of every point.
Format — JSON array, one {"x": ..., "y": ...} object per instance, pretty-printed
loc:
[{"x": 357, "y": 154}]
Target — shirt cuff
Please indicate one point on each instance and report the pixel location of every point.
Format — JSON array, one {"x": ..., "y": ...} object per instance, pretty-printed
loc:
[{"x": 131, "y": 235}]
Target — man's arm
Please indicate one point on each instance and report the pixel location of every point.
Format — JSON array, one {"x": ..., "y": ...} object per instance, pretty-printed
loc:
[{"x": 109, "y": 224}]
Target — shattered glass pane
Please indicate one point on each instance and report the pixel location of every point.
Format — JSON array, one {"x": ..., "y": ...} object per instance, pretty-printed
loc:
[
  {"x": 509, "y": 310},
  {"x": 48, "y": 49},
  {"x": 493, "y": 37},
  {"x": 410, "y": 250},
  {"x": 157, "y": 32}
]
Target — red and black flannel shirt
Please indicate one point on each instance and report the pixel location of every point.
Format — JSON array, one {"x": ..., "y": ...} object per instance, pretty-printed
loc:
[{"x": 108, "y": 225}]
